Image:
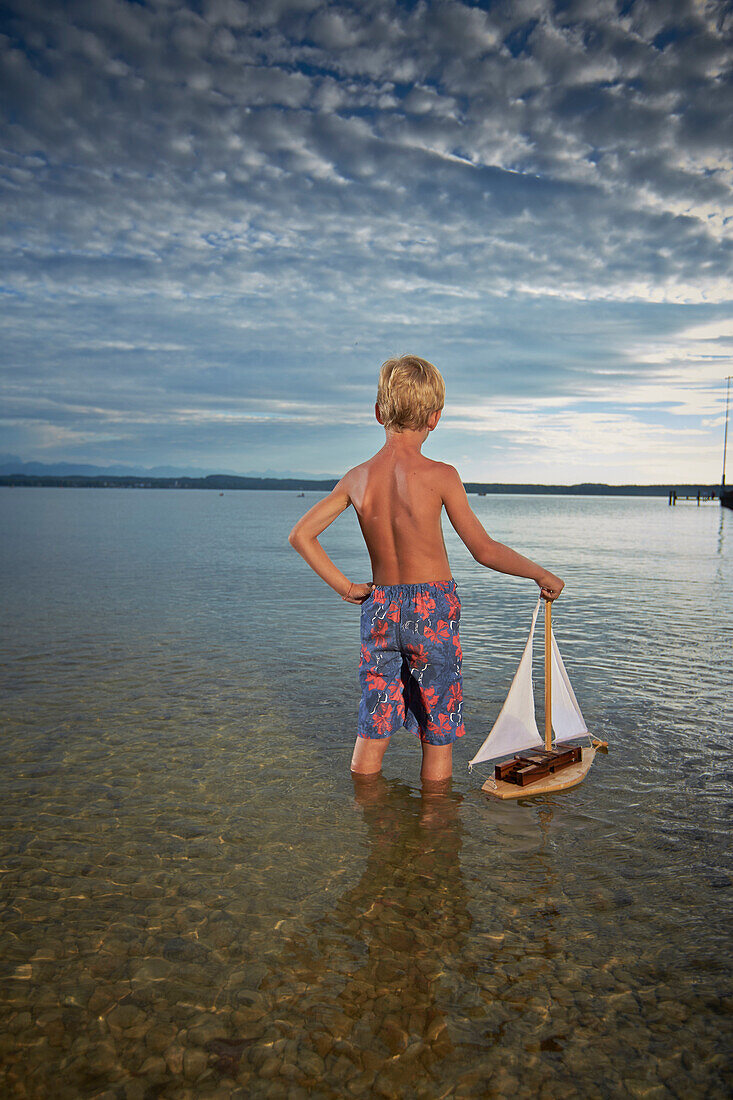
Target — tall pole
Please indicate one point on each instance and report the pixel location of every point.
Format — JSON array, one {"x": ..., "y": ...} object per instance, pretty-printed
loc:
[
  {"x": 725, "y": 437},
  {"x": 548, "y": 675}
]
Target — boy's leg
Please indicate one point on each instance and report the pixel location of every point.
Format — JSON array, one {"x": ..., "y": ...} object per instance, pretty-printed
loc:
[
  {"x": 368, "y": 753},
  {"x": 437, "y": 762}
]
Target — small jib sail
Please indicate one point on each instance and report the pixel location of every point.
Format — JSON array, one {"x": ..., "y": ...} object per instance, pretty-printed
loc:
[
  {"x": 515, "y": 730},
  {"x": 567, "y": 719}
]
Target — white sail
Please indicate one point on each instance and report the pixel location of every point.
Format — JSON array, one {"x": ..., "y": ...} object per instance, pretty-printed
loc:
[
  {"x": 516, "y": 727},
  {"x": 567, "y": 719}
]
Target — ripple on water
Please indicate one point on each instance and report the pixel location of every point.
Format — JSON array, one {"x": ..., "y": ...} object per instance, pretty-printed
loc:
[{"x": 199, "y": 902}]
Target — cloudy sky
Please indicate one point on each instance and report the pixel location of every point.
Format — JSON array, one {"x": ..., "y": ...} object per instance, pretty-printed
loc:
[{"x": 220, "y": 217}]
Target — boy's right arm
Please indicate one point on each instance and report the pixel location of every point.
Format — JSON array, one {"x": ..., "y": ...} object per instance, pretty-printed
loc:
[
  {"x": 304, "y": 539},
  {"x": 485, "y": 550}
]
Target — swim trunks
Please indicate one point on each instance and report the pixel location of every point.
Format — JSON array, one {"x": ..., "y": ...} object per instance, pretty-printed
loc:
[{"x": 410, "y": 667}]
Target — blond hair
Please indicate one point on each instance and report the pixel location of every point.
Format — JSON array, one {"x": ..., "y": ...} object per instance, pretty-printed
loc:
[{"x": 409, "y": 390}]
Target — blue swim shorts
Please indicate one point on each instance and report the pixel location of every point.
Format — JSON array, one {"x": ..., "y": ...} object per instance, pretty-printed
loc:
[{"x": 410, "y": 667}]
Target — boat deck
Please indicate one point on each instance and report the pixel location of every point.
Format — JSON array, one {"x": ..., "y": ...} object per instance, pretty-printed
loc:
[{"x": 560, "y": 781}]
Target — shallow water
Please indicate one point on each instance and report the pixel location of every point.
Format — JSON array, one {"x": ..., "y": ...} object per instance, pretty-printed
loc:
[{"x": 197, "y": 900}]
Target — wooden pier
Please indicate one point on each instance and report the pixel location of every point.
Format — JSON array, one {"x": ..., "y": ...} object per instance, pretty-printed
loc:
[
  {"x": 724, "y": 494},
  {"x": 702, "y": 496}
]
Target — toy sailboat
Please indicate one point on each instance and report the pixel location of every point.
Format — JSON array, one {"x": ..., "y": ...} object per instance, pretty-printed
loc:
[{"x": 538, "y": 767}]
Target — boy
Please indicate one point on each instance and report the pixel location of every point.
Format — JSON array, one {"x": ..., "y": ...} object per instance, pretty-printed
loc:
[{"x": 410, "y": 668}]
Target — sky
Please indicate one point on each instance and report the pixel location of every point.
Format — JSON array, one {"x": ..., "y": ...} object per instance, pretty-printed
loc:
[{"x": 219, "y": 218}]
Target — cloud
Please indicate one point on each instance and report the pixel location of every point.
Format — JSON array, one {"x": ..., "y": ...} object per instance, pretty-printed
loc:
[{"x": 194, "y": 192}]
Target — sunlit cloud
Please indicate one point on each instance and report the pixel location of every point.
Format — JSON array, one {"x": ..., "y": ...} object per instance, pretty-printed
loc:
[{"x": 220, "y": 218}]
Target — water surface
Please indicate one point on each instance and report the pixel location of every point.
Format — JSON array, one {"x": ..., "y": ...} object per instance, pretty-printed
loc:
[{"x": 197, "y": 899}]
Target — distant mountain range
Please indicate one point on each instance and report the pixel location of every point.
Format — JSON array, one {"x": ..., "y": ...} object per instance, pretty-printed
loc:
[
  {"x": 303, "y": 485},
  {"x": 13, "y": 471},
  {"x": 14, "y": 464}
]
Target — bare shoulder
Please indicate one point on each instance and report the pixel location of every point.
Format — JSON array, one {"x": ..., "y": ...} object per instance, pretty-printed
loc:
[
  {"x": 353, "y": 481},
  {"x": 445, "y": 476},
  {"x": 445, "y": 469},
  {"x": 360, "y": 468}
]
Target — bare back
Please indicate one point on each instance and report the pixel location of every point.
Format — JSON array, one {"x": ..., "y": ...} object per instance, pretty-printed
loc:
[
  {"x": 398, "y": 496},
  {"x": 398, "y": 499}
]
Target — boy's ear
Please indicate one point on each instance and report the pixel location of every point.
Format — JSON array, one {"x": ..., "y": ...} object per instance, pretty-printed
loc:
[
  {"x": 433, "y": 419},
  {"x": 377, "y": 413}
]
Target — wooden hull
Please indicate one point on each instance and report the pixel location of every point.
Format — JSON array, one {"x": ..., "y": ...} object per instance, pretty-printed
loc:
[{"x": 561, "y": 781}]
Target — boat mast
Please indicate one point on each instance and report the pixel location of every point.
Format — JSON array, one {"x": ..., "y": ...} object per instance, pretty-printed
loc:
[
  {"x": 725, "y": 437},
  {"x": 548, "y": 675}
]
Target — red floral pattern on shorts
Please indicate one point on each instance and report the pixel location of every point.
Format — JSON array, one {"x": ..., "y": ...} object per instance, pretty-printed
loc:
[{"x": 410, "y": 667}]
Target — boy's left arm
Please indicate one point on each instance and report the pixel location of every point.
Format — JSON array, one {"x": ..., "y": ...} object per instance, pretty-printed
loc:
[
  {"x": 304, "y": 539},
  {"x": 484, "y": 549}
]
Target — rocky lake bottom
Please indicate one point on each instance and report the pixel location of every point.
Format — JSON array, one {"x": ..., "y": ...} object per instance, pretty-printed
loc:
[{"x": 198, "y": 901}]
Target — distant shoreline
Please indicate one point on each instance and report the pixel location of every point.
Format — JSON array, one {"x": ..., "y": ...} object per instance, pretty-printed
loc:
[{"x": 231, "y": 482}]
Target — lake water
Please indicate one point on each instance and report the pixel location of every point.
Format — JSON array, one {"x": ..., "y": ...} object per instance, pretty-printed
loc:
[{"x": 198, "y": 901}]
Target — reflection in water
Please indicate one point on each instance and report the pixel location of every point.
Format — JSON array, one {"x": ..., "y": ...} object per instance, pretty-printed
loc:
[
  {"x": 359, "y": 1000},
  {"x": 721, "y": 529},
  {"x": 399, "y": 991},
  {"x": 189, "y": 906}
]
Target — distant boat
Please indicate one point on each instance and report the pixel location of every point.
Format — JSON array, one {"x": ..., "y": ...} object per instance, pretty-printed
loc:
[
  {"x": 301, "y": 494},
  {"x": 221, "y": 494},
  {"x": 538, "y": 768}
]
